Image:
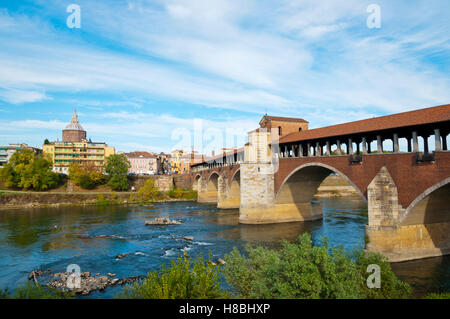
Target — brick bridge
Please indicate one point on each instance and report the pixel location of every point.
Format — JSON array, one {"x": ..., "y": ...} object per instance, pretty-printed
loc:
[{"x": 399, "y": 164}]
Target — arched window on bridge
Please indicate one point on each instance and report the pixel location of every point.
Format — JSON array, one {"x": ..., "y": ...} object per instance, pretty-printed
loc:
[{"x": 299, "y": 129}]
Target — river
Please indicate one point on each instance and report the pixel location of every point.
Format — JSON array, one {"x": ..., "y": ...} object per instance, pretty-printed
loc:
[{"x": 53, "y": 238}]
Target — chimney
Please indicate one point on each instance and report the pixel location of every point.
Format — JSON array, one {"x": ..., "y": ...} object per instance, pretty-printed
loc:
[{"x": 213, "y": 153}]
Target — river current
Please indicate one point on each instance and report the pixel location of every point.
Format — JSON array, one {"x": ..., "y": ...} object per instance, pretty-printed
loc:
[{"x": 92, "y": 237}]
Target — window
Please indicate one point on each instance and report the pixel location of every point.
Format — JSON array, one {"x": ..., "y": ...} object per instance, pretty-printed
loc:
[
  {"x": 279, "y": 130},
  {"x": 299, "y": 129}
]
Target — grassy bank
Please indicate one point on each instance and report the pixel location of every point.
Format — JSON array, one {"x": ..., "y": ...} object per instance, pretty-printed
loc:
[{"x": 20, "y": 199}]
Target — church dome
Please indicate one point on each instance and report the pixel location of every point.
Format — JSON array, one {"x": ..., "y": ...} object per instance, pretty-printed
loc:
[{"x": 74, "y": 124}]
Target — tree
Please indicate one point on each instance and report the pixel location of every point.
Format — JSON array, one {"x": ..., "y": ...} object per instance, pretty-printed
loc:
[
  {"x": 116, "y": 166},
  {"x": 29, "y": 171},
  {"x": 86, "y": 175},
  {"x": 46, "y": 142}
]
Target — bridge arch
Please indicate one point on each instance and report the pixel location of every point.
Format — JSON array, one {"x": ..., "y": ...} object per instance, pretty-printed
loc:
[
  {"x": 323, "y": 171},
  {"x": 293, "y": 199},
  {"x": 196, "y": 183},
  {"x": 232, "y": 196},
  {"x": 429, "y": 207},
  {"x": 209, "y": 191}
]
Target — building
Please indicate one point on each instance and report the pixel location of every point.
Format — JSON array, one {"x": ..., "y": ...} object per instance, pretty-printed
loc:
[
  {"x": 7, "y": 151},
  {"x": 175, "y": 165},
  {"x": 164, "y": 165},
  {"x": 181, "y": 161},
  {"x": 282, "y": 126},
  {"x": 142, "y": 163},
  {"x": 76, "y": 149}
]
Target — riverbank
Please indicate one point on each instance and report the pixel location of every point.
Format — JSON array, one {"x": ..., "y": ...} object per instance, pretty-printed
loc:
[
  {"x": 20, "y": 200},
  {"x": 335, "y": 186}
]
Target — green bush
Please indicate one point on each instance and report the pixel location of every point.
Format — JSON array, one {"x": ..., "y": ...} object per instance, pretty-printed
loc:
[
  {"x": 118, "y": 183},
  {"x": 391, "y": 286},
  {"x": 34, "y": 291},
  {"x": 445, "y": 295},
  {"x": 303, "y": 271},
  {"x": 175, "y": 193},
  {"x": 182, "y": 280},
  {"x": 86, "y": 182},
  {"x": 148, "y": 191}
]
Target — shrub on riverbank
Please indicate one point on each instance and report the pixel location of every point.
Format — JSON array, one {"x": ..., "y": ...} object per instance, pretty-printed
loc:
[
  {"x": 33, "y": 291},
  {"x": 149, "y": 191},
  {"x": 301, "y": 270},
  {"x": 445, "y": 295},
  {"x": 181, "y": 280}
]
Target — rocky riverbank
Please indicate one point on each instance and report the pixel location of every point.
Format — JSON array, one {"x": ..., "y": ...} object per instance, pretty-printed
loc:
[{"x": 87, "y": 283}]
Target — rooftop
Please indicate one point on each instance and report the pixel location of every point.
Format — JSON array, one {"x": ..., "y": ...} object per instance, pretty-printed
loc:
[
  {"x": 283, "y": 119},
  {"x": 138, "y": 154},
  {"x": 412, "y": 118}
]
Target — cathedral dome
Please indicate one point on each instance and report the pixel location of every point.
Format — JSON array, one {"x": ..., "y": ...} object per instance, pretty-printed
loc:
[
  {"x": 74, "y": 132},
  {"x": 74, "y": 124}
]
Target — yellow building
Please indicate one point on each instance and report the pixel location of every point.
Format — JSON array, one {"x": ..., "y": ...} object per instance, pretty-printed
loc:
[
  {"x": 175, "y": 161},
  {"x": 75, "y": 148},
  {"x": 63, "y": 154}
]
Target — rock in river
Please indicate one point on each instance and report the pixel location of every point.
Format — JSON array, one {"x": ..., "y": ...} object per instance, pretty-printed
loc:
[
  {"x": 88, "y": 283},
  {"x": 162, "y": 221}
]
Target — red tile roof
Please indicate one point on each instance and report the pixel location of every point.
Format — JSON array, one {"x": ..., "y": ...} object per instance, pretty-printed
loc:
[
  {"x": 412, "y": 118},
  {"x": 140, "y": 155},
  {"x": 283, "y": 119}
]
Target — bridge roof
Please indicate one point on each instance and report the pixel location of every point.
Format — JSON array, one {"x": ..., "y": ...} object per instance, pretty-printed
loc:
[
  {"x": 412, "y": 118},
  {"x": 221, "y": 155}
]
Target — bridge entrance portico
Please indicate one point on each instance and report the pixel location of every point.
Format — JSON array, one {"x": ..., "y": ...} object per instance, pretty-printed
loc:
[{"x": 406, "y": 191}]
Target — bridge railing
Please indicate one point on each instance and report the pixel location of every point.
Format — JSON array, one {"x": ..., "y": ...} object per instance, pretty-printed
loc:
[{"x": 355, "y": 146}]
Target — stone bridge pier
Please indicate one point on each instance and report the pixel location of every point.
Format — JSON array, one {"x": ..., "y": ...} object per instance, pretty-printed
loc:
[{"x": 420, "y": 231}]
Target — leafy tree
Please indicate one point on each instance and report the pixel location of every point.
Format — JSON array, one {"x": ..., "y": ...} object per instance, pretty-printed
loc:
[
  {"x": 29, "y": 171},
  {"x": 86, "y": 175},
  {"x": 182, "y": 280},
  {"x": 116, "y": 166},
  {"x": 301, "y": 270}
]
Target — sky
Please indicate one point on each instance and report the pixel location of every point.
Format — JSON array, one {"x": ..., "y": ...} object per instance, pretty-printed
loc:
[{"x": 168, "y": 74}]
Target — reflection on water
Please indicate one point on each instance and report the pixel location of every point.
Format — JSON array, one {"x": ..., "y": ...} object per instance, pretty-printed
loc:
[{"x": 92, "y": 237}]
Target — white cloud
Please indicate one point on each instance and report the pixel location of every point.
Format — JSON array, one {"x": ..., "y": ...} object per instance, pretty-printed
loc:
[{"x": 15, "y": 96}]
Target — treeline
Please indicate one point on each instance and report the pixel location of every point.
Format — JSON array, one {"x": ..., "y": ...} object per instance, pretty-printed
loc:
[
  {"x": 29, "y": 171},
  {"x": 298, "y": 270}
]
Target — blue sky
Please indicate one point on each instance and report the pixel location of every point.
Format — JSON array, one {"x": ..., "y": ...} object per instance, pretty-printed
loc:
[{"x": 158, "y": 75}]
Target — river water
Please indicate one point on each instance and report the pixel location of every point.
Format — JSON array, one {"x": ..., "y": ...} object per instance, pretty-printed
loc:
[{"x": 53, "y": 238}]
